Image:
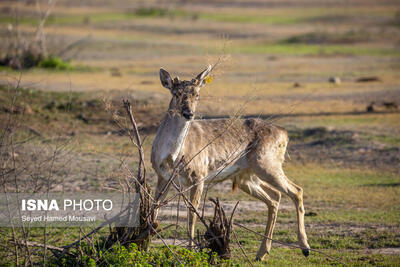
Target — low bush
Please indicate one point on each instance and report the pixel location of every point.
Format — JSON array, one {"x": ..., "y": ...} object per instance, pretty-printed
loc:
[
  {"x": 53, "y": 62},
  {"x": 120, "y": 255}
]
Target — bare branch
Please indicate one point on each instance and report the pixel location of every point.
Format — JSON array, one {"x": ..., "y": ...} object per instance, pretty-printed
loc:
[
  {"x": 290, "y": 245},
  {"x": 39, "y": 35},
  {"x": 241, "y": 248},
  {"x": 141, "y": 168},
  {"x": 165, "y": 244}
]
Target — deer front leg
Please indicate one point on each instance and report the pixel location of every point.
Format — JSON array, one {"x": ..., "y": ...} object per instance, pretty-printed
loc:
[
  {"x": 195, "y": 196},
  {"x": 160, "y": 195}
]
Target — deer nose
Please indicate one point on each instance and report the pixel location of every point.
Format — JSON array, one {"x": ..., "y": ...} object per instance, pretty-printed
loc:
[{"x": 188, "y": 115}]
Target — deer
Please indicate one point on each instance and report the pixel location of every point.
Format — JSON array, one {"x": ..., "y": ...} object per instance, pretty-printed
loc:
[{"x": 249, "y": 152}]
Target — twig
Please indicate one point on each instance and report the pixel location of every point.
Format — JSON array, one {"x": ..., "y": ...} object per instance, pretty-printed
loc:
[
  {"x": 177, "y": 219},
  {"x": 188, "y": 202},
  {"x": 162, "y": 240},
  {"x": 291, "y": 245},
  {"x": 39, "y": 35},
  {"x": 141, "y": 168},
  {"x": 56, "y": 250},
  {"x": 36, "y": 244},
  {"x": 109, "y": 221},
  {"x": 171, "y": 178},
  {"x": 233, "y": 212},
  {"x": 137, "y": 181},
  {"x": 241, "y": 248}
]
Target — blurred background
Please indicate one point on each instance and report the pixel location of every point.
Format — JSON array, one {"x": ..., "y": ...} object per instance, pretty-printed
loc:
[{"x": 328, "y": 71}]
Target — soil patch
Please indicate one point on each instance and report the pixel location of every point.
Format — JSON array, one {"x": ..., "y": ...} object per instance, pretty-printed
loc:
[{"x": 342, "y": 148}]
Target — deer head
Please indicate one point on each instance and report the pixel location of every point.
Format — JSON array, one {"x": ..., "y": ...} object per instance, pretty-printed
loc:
[{"x": 185, "y": 94}]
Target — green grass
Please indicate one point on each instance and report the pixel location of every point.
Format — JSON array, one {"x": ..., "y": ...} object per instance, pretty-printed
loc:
[
  {"x": 327, "y": 214},
  {"x": 338, "y": 187},
  {"x": 99, "y": 17},
  {"x": 160, "y": 12},
  {"x": 382, "y": 123},
  {"x": 92, "y": 18},
  {"x": 293, "y": 16},
  {"x": 36, "y": 97},
  {"x": 338, "y": 195},
  {"x": 328, "y": 38},
  {"x": 262, "y": 19},
  {"x": 337, "y": 244},
  {"x": 282, "y": 256},
  {"x": 352, "y": 177},
  {"x": 154, "y": 12},
  {"x": 390, "y": 217},
  {"x": 23, "y": 20},
  {"x": 384, "y": 139},
  {"x": 282, "y": 17},
  {"x": 57, "y": 110},
  {"x": 53, "y": 62},
  {"x": 358, "y": 239},
  {"x": 349, "y": 250},
  {"x": 349, "y": 120},
  {"x": 308, "y": 50},
  {"x": 343, "y": 199},
  {"x": 72, "y": 19}
]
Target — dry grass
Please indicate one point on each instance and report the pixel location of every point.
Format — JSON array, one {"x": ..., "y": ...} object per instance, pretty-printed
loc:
[{"x": 124, "y": 53}]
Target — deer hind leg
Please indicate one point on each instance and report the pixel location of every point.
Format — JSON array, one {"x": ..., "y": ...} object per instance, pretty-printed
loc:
[
  {"x": 271, "y": 197},
  {"x": 276, "y": 178},
  {"x": 195, "y": 196}
]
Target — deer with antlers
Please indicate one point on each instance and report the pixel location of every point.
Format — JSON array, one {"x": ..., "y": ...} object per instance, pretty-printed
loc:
[{"x": 250, "y": 152}]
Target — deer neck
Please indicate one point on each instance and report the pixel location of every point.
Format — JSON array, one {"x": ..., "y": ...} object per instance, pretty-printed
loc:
[{"x": 173, "y": 136}]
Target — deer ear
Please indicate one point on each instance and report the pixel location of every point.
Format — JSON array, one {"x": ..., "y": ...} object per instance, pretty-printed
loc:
[
  {"x": 165, "y": 79},
  {"x": 203, "y": 74}
]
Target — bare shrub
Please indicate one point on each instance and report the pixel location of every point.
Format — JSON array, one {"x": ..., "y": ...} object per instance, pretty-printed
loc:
[
  {"x": 29, "y": 50},
  {"x": 26, "y": 167},
  {"x": 218, "y": 235}
]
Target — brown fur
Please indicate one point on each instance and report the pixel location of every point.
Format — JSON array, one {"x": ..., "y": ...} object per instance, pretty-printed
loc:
[
  {"x": 249, "y": 152},
  {"x": 235, "y": 187}
]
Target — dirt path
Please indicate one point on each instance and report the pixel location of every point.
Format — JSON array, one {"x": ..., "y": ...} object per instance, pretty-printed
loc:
[
  {"x": 170, "y": 210},
  {"x": 387, "y": 251}
]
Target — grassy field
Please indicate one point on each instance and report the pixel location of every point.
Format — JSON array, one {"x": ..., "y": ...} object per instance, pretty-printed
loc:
[{"x": 278, "y": 58}]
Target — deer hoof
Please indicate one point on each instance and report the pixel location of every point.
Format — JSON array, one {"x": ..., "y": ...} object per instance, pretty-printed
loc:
[{"x": 306, "y": 252}]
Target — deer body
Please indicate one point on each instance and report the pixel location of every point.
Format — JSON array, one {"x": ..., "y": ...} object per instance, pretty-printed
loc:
[{"x": 249, "y": 152}]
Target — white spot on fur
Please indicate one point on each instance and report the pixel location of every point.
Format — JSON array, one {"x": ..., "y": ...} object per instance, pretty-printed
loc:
[
  {"x": 180, "y": 141},
  {"x": 222, "y": 173}
]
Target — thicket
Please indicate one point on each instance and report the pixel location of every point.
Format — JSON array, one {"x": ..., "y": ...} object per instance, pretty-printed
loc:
[{"x": 24, "y": 50}]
